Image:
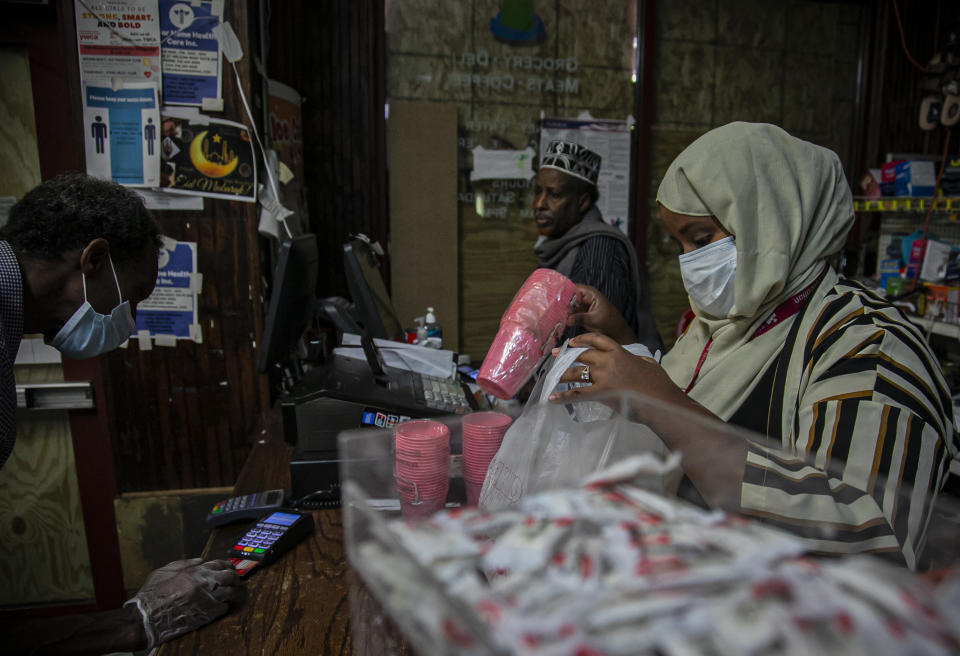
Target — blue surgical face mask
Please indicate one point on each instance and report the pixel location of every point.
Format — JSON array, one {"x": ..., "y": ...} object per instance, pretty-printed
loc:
[
  {"x": 88, "y": 333},
  {"x": 708, "y": 275}
]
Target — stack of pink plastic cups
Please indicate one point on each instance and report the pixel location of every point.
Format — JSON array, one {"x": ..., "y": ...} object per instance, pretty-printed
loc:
[
  {"x": 529, "y": 328},
  {"x": 482, "y": 434},
  {"x": 422, "y": 466}
]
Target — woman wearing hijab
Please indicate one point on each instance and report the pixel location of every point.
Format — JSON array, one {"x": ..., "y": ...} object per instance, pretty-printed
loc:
[{"x": 781, "y": 345}]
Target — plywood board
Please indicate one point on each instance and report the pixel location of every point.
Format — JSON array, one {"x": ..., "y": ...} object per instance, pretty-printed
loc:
[
  {"x": 20, "y": 164},
  {"x": 41, "y": 523},
  {"x": 424, "y": 237},
  {"x": 155, "y": 528}
]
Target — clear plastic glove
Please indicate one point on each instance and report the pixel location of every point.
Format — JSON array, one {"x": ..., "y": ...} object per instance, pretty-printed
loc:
[{"x": 184, "y": 595}]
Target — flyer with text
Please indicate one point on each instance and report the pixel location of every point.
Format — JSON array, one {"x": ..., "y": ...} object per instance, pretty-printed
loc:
[
  {"x": 121, "y": 135},
  {"x": 118, "y": 39},
  {"x": 172, "y": 307},
  {"x": 207, "y": 157},
  {"x": 191, "y": 53}
]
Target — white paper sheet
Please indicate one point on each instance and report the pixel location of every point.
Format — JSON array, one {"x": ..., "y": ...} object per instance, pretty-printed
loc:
[
  {"x": 502, "y": 164},
  {"x": 409, "y": 357}
]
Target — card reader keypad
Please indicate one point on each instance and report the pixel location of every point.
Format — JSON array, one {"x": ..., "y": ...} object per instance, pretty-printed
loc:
[
  {"x": 272, "y": 536},
  {"x": 259, "y": 539}
]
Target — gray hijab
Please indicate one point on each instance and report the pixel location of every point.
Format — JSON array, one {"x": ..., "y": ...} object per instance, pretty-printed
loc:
[{"x": 788, "y": 206}]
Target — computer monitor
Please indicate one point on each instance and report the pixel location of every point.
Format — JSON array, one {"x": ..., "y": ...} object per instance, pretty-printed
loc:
[
  {"x": 292, "y": 301},
  {"x": 372, "y": 307}
]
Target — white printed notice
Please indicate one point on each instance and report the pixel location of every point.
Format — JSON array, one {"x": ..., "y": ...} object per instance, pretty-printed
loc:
[
  {"x": 501, "y": 164},
  {"x": 171, "y": 310},
  {"x": 118, "y": 39},
  {"x": 191, "y": 53},
  {"x": 121, "y": 138},
  {"x": 611, "y": 140}
]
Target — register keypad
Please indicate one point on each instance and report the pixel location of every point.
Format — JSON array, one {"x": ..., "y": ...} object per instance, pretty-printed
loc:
[
  {"x": 234, "y": 503},
  {"x": 442, "y": 394}
]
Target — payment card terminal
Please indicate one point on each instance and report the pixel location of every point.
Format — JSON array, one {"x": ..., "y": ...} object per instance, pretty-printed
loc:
[{"x": 269, "y": 539}]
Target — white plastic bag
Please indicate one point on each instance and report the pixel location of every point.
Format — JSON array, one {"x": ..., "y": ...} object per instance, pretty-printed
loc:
[{"x": 559, "y": 445}]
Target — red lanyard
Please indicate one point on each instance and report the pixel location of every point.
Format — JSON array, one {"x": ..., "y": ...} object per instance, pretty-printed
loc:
[
  {"x": 783, "y": 311},
  {"x": 696, "y": 372}
]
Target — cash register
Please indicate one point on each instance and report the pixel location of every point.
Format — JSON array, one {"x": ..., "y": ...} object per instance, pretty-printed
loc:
[{"x": 320, "y": 399}]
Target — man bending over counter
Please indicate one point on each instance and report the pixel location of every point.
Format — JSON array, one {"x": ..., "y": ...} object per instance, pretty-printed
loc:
[{"x": 76, "y": 257}]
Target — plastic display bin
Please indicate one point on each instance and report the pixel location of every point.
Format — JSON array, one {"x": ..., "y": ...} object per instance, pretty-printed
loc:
[
  {"x": 415, "y": 598},
  {"x": 370, "y": 499}
]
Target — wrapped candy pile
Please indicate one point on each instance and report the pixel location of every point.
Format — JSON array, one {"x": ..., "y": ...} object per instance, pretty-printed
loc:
[{"x": 615, "y": 569}]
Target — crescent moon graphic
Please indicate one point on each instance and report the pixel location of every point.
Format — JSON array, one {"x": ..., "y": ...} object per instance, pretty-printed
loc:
[{"x": 205, "y": 166}]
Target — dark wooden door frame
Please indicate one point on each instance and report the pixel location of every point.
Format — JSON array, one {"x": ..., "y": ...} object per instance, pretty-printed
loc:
[
  {"x": 49, "y": 35},
  {"x": 643, "y": 108}
]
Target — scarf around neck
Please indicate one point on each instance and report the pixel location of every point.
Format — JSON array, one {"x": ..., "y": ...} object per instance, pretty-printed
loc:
[{"x": 560, "y": 254}]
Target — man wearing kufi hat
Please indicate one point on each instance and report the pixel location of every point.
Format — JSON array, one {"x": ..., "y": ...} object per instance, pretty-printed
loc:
[{"x": 577, "y": 242}]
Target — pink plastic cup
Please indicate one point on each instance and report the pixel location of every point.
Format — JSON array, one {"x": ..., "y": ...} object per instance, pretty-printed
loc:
[
  {"x": 422, "y": 429},
  {"x": 529, "y": 328},
  {"x": 482, "y": 435},
  {"x": 422, "y": 466},
  {"x": 544, "y": 300},
  {"x": 473, "y": 492},
  {"x": 510, "y": 361}
]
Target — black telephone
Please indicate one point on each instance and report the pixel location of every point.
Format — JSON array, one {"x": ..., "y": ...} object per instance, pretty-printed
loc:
[{"x": 248, "y": 506}]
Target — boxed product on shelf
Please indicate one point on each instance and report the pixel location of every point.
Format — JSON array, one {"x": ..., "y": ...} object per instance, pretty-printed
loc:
[
  {"x": 937, "y": 260},
  {"x": 908, "y": 178},
  {"x": 888, "y": 178},
  {"x": 889, "y": 268},
  {"x": 870, "y": 183},
  {"x": 942, "y": 302},
  {"x": 950, "y": 180}
]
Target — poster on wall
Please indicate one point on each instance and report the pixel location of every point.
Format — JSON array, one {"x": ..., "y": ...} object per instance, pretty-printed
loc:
[
  {"x": 502, "y": 164},
  {"x": 121, "y": 138},
  {"x": 170, "y": 312},
  {"x": 158, "y": 200},
  {"x": 207, "y": 157},
  {"x": 611, "y": 140},
  {"x": 286, "y": 139},
  {"x": 191, "y": 53},
  {"x": 118, "y": 39}
]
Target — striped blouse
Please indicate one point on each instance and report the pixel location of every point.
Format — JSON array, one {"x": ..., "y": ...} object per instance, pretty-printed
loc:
[{"x": 869, "y": 429}]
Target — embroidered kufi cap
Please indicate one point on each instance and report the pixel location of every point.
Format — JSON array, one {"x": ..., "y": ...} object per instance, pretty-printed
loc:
[{"x": 573, "y": 159}]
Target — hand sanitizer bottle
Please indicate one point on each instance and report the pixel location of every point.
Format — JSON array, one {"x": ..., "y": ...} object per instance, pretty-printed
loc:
[
  {"x": 421, "y": 330},
  {"x": 434, "y": 333}
]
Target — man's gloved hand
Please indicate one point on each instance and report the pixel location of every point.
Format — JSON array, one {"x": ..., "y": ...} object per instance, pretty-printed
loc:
[{"x": 184, "y": 595}]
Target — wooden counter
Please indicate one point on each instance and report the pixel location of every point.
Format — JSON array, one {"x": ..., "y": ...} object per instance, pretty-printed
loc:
[{"x": 298, "y": 604}]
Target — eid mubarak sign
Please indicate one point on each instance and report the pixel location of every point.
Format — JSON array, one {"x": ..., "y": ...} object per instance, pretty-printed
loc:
[{"x": 207, "y": 157}]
